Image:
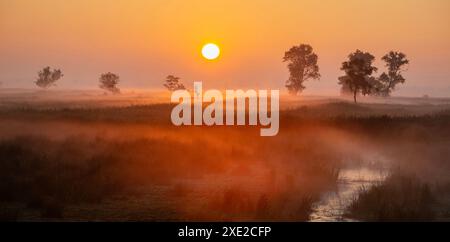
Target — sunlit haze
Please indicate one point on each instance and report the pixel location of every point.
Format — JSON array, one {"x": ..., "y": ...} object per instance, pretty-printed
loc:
[{"x": 144, "y": 41}]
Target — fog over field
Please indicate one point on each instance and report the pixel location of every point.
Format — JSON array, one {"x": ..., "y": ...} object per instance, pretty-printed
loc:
[
  {"x": 85, "y": 155},
  {"x": 228, "y": 110}
]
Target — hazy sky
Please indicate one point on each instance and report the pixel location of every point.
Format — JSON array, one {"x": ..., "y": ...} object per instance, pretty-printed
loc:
[{"x": 145, "y": 40}]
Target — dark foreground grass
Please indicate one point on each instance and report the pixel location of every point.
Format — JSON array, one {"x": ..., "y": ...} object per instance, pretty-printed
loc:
[
  {"x": 190, "y": 180},
  {"x": 399, "y": 198}
]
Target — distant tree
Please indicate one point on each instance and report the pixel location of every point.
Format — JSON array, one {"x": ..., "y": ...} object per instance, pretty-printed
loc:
[
  {"x": 395, "y": 61},
  {"x": 358, "y": 74},
  {"x": 302, "y": 65},
  {"x": 173, "y": 83},
  {"x": 109, "y": 82},
  {"x": 48, "y": 77}
]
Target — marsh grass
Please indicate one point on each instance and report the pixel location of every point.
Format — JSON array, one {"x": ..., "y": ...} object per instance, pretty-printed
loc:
[
  {"x": 130, "y": 163},
  {"x": 399, "y": 198}
]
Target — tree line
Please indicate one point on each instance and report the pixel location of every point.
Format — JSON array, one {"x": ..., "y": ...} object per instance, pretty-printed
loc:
[
  {"x": 358, "y": 71},
  {"x": 48, "y": 77},
  {"x": 302, "y": 65}
]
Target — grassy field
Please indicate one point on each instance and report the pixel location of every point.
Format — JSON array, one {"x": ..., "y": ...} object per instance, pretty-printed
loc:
[{"x": 120, "y": 159}]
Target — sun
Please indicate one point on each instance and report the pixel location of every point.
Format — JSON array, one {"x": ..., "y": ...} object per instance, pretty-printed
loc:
[{"x": 210, "y": 51}]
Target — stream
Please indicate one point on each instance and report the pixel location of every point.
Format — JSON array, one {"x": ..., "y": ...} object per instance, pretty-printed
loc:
[{"x": 332, "y": 204}]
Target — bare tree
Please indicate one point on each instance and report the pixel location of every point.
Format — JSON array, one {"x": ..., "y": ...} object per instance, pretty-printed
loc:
[
  {"x": 109, "y": 82},
  {"x": 173, "y": 83},
  {"x": 48, "y": 77},
  {"x": 358, "y": 74},
  {"x": 302, "y": 65},
  {"x": 395, "y": 61}
]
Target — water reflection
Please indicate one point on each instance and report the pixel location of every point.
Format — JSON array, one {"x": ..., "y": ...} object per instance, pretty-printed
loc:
[{"x": 332, "y": 204}]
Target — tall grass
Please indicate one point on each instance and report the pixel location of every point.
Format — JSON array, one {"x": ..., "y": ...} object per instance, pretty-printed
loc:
[
  {"x": 399, "y": 198},
  {"x": 133, "y": 159}
]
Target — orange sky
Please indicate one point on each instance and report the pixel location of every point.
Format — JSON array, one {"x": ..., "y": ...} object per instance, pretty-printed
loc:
[{"x": 145, "y": 40}]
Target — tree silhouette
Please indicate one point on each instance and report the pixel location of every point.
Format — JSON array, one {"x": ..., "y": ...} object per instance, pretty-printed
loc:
[
  {"x": 48, "y": 77},
  {"x": 358, "y": 70},
  {"x": 394, "y": 63},
  {"x": 302, "y": 65},
  {"x": 109, "y": 82},
  {"x": 173, "y": 83},
  {"x": 345, "y": 90}
]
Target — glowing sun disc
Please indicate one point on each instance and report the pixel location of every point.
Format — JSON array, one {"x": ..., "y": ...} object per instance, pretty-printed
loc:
[{"x": 210, "y": 51}]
